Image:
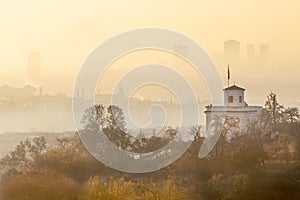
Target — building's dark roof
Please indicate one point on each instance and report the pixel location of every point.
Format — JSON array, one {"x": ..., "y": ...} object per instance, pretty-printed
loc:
[{"x": 234, "y": 87}]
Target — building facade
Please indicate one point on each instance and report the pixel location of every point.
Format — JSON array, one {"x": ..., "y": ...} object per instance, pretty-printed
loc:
[{"x": 235, "y": 111}]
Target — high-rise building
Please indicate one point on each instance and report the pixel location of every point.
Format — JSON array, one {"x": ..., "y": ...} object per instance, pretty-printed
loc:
[
  {"x": 232, "y": 53},
  {"x": 34, "y": 68}
]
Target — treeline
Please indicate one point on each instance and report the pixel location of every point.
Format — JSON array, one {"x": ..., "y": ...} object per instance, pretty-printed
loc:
[
  {"x": 70, "y": 172},
  {"x": 262, "y": 164},
  {"x": 112, "y": 122}
]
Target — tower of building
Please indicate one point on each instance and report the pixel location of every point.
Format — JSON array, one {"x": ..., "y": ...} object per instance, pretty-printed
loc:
[
  {"x": 235, "y": 109},
  {"x": 234, "y": 96}
]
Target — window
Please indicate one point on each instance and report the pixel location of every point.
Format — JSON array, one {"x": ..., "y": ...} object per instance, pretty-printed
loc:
[
  {"x": 230, "y": 99},
  {"x": 240, "y": 99}
]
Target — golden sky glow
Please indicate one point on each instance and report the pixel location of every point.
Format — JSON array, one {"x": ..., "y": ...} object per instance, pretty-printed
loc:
[{"x": 65, "y": 32}]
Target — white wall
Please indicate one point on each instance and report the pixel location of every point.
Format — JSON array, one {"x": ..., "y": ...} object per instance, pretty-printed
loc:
[{"x": 236, "y": 94}]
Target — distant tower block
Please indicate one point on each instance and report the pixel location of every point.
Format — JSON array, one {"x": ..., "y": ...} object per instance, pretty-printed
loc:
[
  {"x": 34, "y": 68},
  {"x": 232, "y": 53},
  {"x": 263, "y": 54}
]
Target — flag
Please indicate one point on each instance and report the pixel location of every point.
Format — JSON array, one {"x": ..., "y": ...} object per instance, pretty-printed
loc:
[{"x": 228, "y": 73}]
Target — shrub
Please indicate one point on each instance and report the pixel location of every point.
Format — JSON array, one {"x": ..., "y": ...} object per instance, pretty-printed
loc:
[
  {"x": 40, "y": 185},
  {"x": 114, "y": 189}
]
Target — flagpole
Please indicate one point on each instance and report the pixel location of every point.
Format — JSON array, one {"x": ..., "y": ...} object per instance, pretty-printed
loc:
[
  {"x": 228, "y": 83},
  {"x": 228, "y": 75}
]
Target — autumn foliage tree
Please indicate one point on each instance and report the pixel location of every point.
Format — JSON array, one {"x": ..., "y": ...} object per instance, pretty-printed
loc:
[
  {"x": 274, "y": 109},
  {"x": 24, "y": 155}
]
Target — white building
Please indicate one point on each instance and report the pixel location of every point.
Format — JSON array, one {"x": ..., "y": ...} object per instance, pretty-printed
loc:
[{"x": 235, "y": 110}]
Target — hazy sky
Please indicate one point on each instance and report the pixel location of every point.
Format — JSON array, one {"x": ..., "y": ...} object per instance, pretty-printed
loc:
[{"x": 65, "y": 32}]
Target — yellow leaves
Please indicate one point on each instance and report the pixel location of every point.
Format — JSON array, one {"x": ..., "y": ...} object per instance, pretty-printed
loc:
[
  {"x": 120, "y": 189},
  {"x": 163, "y": 191},
  {"x": 40, "y": 185},
  {"x": 114, "y": 189}
]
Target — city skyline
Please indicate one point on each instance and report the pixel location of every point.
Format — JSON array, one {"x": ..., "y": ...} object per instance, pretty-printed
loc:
[
  {"x": 242, "y": 70},
  {"x": 86, "y": 28},
  {"x": 49, "y": 54},
  {"x": 150, "y": 99}
]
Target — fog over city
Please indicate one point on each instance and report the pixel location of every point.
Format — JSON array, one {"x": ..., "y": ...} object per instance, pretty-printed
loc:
[
  {"x": 211, "y": 111},
  {"x": 267, "y": 33}
]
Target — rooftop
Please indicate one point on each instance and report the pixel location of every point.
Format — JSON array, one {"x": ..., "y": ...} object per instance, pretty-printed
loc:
[{"x": 234, "y": 87}]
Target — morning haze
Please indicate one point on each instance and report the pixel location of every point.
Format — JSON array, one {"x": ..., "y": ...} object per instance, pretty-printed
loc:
[
  {"x": 44, "y": 44},
  {"x": 55, "y": 143},
  {"x": 64, "y": 33}
]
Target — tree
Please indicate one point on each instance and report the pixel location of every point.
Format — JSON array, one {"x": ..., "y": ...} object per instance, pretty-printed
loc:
[
  {"x": 246, "y": 154},
  {"x": 115, "y": 118},
  {"x": 215, "y": 128},
  {"x": 274, "y": 109},
  {"x": 292, "y": 114},
  {"x": 283, "y": 149},
  {"x": 110, "y": 120},
  {"x": 40, "y": 185},
  {"x": 64, "y": 143},
  {"x": 167, "y": 190},
  {"x": 93, "y": 118},
  {"x": 195, "y": 131},
  {"x": 118, "y": 189},
  {"x": 24, "y": 154},
  {"x": 70, "y": 158}
]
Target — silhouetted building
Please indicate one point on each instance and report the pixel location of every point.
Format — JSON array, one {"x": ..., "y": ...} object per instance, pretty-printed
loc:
[
  {"x": 232, "y": 52},
  {"x": 34, "y": 68}
]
